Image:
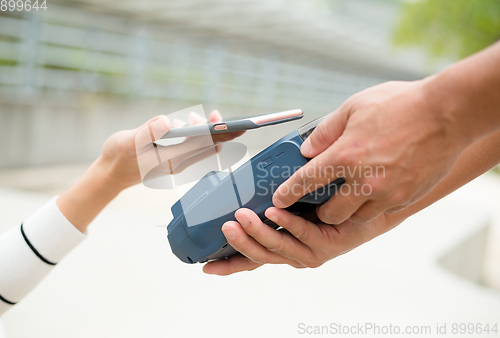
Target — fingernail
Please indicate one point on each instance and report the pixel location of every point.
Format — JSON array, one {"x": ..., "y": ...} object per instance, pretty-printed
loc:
[
  {"x": 161, "y": 125},
  {"x": 277, "y": 202},
  {"x": 306, "y": 148},
  {"x": 243, "y": 220},
  {"x": 228, "y": 232},
  {"x": 273, "y": 217}
]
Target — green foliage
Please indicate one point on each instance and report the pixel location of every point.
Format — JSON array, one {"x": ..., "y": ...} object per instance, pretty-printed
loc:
[
  {"x": 449, "y": 28},
  {"x": 496, "y": 170}
]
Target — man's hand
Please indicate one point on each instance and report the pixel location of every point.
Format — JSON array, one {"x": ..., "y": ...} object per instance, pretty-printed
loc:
[
  {"x": 300, "y": 243},
  {"x": 389, "y": 145},
  {"x": 415, "y": 130}
]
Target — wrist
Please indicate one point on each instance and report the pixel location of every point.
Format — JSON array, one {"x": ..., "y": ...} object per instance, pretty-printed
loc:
[
  {"x": 446, "y": 112},
  {"x": 104, "y": 172},
  {"x": 83, "y": 201},
  {"x": 467, "y": 94}
]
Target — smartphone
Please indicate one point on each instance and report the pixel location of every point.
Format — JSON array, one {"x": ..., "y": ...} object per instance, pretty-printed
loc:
[{"x": 240, "y": 124}]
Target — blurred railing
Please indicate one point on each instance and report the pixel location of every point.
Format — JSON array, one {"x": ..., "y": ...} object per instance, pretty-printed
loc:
[
  {"x": 65, "y": 52},
  {"x": 38, "y": 52}
]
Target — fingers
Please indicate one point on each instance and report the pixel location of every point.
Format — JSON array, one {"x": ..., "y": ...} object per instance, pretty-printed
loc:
[
  {"x": 195, "y": 119},
  {"x": 326, "y": 132},
  {"x": 324, "y": 242},
  {"x": 159, "y": 127},
  {"x": 250, "y": 248},
  {"x": 340, "y": 207},
  {"x": 224, "y": 137},
  {"x": 316, "y": 239},
  {"x": 301, "y": 241},
  {"x": 215, "y": 117},
  {"x": 143, "y": 137},
  {"x": 306, "y": 232},
  {"x": 278, "y": 242},
  {"x": 178, "y": 153},
  {"x": 318, "y": 172},
  {"x": 152, "y": 130},
  {"x": 320, "y": 145},
  {"x": 149, "y": 155},
  {"x": 233, "y": 264},
  {"x": 176, "y": 123}
]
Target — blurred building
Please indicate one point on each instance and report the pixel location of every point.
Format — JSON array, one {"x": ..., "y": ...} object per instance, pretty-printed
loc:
[{"x": 83, "y": 69}]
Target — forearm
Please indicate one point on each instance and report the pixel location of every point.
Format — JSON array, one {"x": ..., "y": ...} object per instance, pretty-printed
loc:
[
  {"x": 478, "y": 158},
  {"x": 467, "y": 94},
  {"x": 83, "y": 201}
]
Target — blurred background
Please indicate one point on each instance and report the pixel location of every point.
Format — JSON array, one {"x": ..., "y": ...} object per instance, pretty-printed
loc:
[
  {"x": 75, "y": 73},
  {"x": 72, "y": 75}
]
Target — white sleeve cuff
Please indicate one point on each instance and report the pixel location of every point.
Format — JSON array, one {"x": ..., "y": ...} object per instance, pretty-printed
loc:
[
  {"x": 28, "y": 252},
  {"x": 50, "y": 232}
]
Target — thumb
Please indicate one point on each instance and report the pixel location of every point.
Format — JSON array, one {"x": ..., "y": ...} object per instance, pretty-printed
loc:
[
  {"x": 150, "y": 131},
  {"x": 159, "y": 127},
  {"x": 326, "y": 132}
]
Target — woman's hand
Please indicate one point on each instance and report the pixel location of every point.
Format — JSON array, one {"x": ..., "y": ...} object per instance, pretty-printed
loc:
[
  {"x": 300, "y": 243},
  {"x": 116, "y": 169},
  {"x": 120, "y": 154}
]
